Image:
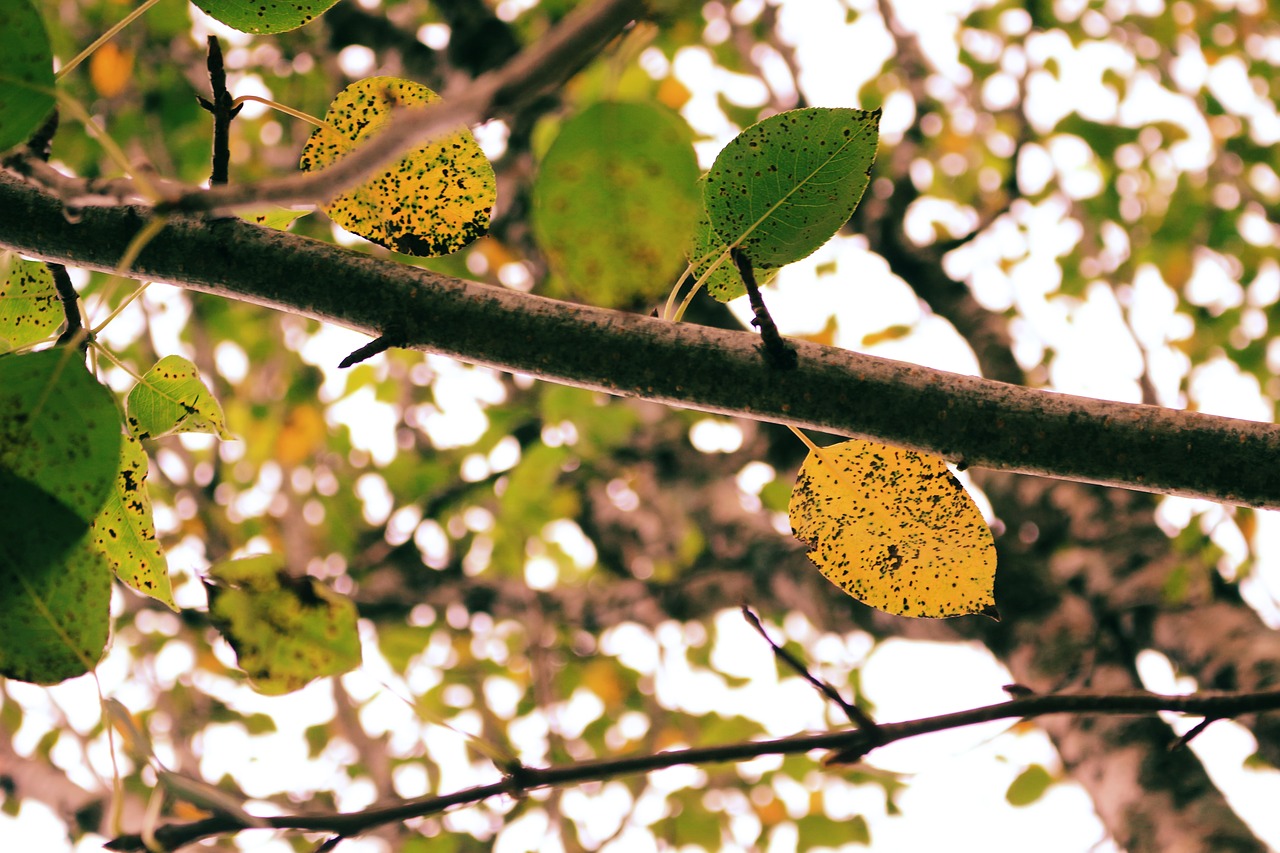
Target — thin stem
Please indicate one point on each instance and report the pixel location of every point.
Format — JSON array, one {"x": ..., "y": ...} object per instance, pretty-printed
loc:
[
  {"x": 104, "y": 38},
  {"x": 113, "y": 151},
  {"x": 847, "y": 746},
  {"x": 813, "y": 448},
  {"x": 103, "y": 351},
  {"x": 287, "y": 110},
  {"x": 131, "y": 252}
]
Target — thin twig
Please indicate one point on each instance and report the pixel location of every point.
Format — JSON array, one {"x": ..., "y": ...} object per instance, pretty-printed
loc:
[
  {"x": 382, "y": 343},
  {"x": 74, "y": 332},
  {"x": 849, "y": 746},
  {"x": 776, "y": 350},
  {"x": 39, "y": 147},
  {"x": 855, "y": 714},
  {"x": 224, "y": 109},
  {"x": 542, "y": 67}
]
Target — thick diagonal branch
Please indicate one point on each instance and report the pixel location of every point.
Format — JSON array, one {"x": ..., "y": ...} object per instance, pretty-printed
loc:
[{"x": 962, "y": 418}]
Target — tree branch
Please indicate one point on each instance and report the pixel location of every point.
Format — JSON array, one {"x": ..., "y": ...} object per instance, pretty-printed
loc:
[
  {"x": 848, "y": 746},
  {"x": 965, "y": 419},
  {"x": 544, "y": 66}
]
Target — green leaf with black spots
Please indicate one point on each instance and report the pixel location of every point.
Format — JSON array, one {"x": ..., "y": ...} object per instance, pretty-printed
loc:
[
  {"x": 55, "y": 590},
  {"x": 30, "y": 311},
  {"x": 59, "y": 430},
  {"x": 275, "y": 218},
  {"x": 433, "y": 201},
  {"x": 724, "y": 282},
  {"x": 172, "y": 398},
  {"x": 785, "y": 185},
  {"x": 126, "y": 534},
  {"x": 285, "y": 631},
  {"x": 894, "y": 529},
  {"x": 1029, "y": 786},
  {"x": 265, "y": 16},
  {"x": 26, "y": 73},
  {"x": 615, "y": 199}
]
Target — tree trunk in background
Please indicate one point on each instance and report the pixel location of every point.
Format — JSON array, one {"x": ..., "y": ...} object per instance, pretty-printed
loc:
[{"x": 1081, "y": 572}]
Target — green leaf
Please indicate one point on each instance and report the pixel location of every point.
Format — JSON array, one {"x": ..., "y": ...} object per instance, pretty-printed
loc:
[
  {"x": 615, "y": 199},
  {"x": 265, "y": 16},
  {"x": 285, "y": 631},
  {"x": 276, "y": 218},
  {"x": 723, "y": 283},
  {"x": 126, "y": 535},
  {"x": 434, "y": 201},
  {"x": 59, "y": 430},
  {"x": 26, "y": 73},
  {"x": 894, "y": 529},
  {"x": 30, "y": 310},
  {"x": 785, "y": 185},
  {"x": 172, "y": 398},
  {"x": 59, "y": 451},
  {"x": 55, "y": 590},
  {"x": 1029, "y": 786}
]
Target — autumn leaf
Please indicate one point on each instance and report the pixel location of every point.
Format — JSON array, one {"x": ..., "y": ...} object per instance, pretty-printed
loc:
[{"x": 895, "y": 529}]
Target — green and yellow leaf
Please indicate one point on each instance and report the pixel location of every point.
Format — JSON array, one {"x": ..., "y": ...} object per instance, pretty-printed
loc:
[
  {"x": 171, "y": 398},
  {"x": 894, "y": 529},
  {"x": 30, "y": 310},
  {"x": 285, "y": 631},
  {"x": 433, "y": 201},
  {"x": 125, "y": 533}
]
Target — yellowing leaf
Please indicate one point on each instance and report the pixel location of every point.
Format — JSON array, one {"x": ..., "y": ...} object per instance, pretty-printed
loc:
[
  {"x": 110, "y": 69},
  {"x": 126, "y": 534},
  {"x": 894, "y": 529},
  {"x": 29, "y": 308},
  {"x": 434, "y": 201},
  {"x": 303, "y": 433},
  {"x": 285, "y": 631},
  {"x": 171, "y": 398}
]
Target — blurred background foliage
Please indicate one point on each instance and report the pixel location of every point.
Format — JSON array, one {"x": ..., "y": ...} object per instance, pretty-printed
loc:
[{"x": 1080, "y": 191}]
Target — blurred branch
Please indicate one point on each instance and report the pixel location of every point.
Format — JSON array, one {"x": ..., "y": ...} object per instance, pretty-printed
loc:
[
  {"x": 541, "y": 68},
  {"x": 847, "y": 747},
  {"x": 964, "y": 419}
]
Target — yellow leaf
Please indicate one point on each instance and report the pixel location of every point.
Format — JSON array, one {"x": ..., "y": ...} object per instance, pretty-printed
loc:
[
  {"x": 110, "y": 69},
  {"x": 894, "y": 529},
  {"x": 303, "y": 433},
  {"x": 434, "y": 201},
  {"x": 892, "y": 333},
  {"x": 672, "y": 93}
]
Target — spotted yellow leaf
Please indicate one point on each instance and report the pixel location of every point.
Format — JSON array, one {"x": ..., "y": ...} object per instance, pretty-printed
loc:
[
  {"x": 433, "y": 201},
  {"x": 895, "y": 529}
]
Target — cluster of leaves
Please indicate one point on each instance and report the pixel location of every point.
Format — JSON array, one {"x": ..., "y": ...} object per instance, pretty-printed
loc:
[{"x": 775, "y": 193}]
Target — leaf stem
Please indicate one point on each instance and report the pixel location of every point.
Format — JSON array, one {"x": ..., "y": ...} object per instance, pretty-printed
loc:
[
  {"x": 287, "y": 110},
  {"x": 131, "y": 252},
  {"x": 104, "y": 38}
]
